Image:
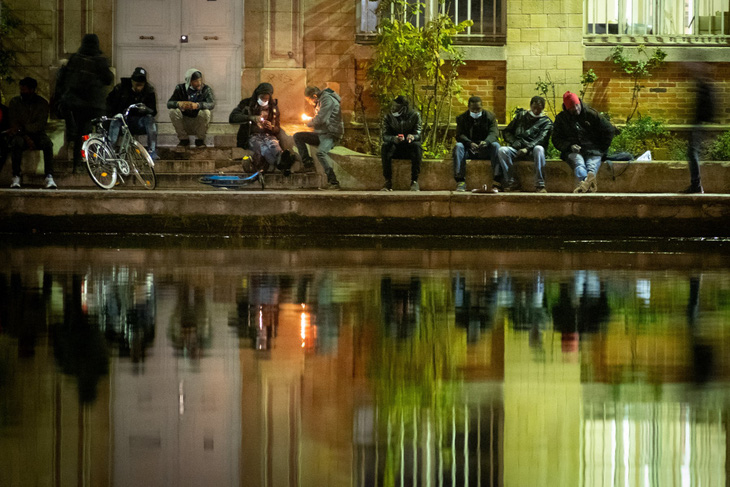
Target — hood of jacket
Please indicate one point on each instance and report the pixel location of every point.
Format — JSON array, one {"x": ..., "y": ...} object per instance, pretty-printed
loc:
[
  {"x": 263, "y": 89},
  {"x": 189, "y": 77},
  {"x": 329, "y": 92},
  {"x": 90, "y": 45}
]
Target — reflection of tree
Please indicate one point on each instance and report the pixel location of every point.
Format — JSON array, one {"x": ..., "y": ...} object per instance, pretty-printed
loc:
[
  {"x": 414, "y": 368},
  {"x": 79, "y": 346}
]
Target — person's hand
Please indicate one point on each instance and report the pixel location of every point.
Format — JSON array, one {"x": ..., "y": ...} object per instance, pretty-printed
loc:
[
  {"x": 267, "y": 125},
  {"x": 575, "y": 148},
  {"x": 522, "y": 151},
  {"x": 410, "y": 138},
  {"x": 194, "y": 106},
  {"x": 474, "y": 147},
  {"x": 400, "y": 138}
]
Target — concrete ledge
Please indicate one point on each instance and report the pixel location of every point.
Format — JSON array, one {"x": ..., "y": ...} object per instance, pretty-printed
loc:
[{"x": 277, "y": 213}]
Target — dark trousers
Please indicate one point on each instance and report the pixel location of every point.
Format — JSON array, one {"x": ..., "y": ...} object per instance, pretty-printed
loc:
[
  {"x": 401, "y": 150},
  {"x": 4, "y": 150},
  {"x": 78, "y": 124},
  {"x": 41, "y": 141}
]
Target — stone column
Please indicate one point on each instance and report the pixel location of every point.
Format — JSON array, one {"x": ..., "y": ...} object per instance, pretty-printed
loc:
[
  {"x": 543, "y": 36},
  {"x": 274, "y": 53}
]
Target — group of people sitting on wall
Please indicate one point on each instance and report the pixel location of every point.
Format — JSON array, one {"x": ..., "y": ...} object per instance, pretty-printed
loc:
[{"x": 580, "y": 133}]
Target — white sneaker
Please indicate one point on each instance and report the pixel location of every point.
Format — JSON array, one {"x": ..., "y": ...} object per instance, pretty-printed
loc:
[
  {"x": 15, "y": 182},
  {"x": 50, "y": 183}
]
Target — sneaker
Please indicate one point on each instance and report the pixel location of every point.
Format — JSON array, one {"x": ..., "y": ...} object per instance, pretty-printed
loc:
[
  {"x": 692, "y": 189},
  {"x": 200, "y": 143},
  {"x": 511, "y": 187},
  {"x": 154, "y": 155},
  {"x": 540, "y": 189},
  {"x": 50, "y": 183},
  {"x": 461, "y": 187},
  {"x": 414, "y": 186},
  {"x": 15, "y": 183},
  {"x": 388, "y": 186},
  {"x": 331, "y": 186},
  {"x": 183, "y": 143},
  {"x": 591, "y": 182}
]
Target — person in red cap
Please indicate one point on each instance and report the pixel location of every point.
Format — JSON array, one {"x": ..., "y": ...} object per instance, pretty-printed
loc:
[{"x": 582, "y": 135}]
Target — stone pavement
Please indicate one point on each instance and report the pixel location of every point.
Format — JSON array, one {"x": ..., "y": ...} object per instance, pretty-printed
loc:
[{"x": 437, "y": 214}]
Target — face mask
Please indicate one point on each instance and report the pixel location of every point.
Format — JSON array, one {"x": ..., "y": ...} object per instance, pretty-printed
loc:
[
  {"x": 262, "y": 102},
  {"x": 475, "y": 115},
  {"x": 395, "y": 114},
  {"x": 535, "y": 116}
]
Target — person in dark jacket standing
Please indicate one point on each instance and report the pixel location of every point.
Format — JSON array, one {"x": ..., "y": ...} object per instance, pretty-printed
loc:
[
  {"x": 4, "y": 137},
  {"x": 476, "y": 138},
  {"x": 328, "y": 130},
  {"x": 259, "y": 119},
  {"x": 704, "y": 113},
  {"x": 28, "y": 119},
  {"x": 527, "y": 134},
  {"x": 190, "y": 106},
  {"x": 81, "y": 91},
  {"x": 131, "y": 91},
  {"x": 401, "y": 139},
  {"x": 583, "y": 136}
]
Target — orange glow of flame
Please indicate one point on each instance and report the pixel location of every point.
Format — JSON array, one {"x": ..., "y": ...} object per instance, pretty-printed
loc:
[{"x": 306, "y": 117}]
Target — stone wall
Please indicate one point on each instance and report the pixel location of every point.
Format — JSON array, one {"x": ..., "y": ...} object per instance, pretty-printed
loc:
[
  {"x": 668, "y": 94},
  {"x": 52, "y": 30}
]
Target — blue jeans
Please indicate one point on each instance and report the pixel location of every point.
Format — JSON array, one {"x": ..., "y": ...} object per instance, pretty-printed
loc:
[
  {"x": 325, "y": 143},
  {"x": 137, "y": 126},
  {"x": 461, "y": 154},
  {"x": 582, "y": 166},
  {"x": 506, "y": 156}
]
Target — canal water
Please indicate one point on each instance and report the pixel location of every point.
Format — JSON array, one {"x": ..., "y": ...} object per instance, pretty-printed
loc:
[{"x": 159, "y": 361}]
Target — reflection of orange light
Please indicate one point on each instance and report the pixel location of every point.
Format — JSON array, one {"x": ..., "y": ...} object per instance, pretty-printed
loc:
[
  {"x": 305, "y": 117},
  {"x": 305, "y": 328}
]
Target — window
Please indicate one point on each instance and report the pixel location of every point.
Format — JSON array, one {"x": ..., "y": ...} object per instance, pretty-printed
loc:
[
  {"x": 673, "y": 18},
  {"x": 488, "y": 17}
]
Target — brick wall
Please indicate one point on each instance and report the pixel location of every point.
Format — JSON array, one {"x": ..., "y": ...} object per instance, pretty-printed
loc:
[
  {"x": 669, "y": 93},
  {"x": 486, "y": 79}
]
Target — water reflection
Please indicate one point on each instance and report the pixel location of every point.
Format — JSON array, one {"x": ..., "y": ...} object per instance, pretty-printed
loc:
[{"x": 359, "y": 367}]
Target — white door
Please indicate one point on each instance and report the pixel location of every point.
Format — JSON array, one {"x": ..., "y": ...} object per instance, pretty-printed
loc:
[{"x": 149, "y": 33}]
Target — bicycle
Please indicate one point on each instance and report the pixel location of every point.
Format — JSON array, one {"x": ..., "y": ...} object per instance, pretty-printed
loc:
[{"x": 106, "y": 165}]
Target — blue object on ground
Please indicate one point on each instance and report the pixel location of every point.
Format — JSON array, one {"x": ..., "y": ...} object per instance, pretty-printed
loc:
[{"x": 233, "y": 181}]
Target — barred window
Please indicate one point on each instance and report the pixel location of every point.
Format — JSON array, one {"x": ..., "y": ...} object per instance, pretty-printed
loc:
[
  {"x": 488, "y": 17},
  {"x": 673, "y": 20}
]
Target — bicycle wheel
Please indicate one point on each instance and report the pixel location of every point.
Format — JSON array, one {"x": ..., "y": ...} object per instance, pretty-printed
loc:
[
  {"x": 142, "y": 165},
  {"x": 96, "y": 152}
]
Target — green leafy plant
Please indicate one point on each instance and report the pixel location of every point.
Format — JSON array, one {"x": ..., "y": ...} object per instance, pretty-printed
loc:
[
  {"x": 410, "y": 60},
  {"x": 719, "y": 149},
  {"x": 677, "y": 149},
  {"x": 547, "y": 88},
  {"x": 647, "y": 62},
  {"x": 639, "y": 135},
  {"x": 8, "y": 24},
  {"x": 586, "y": 80}
]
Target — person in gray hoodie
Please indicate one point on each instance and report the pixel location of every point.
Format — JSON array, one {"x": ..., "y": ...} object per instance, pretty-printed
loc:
[
  {"x": 190, "y": 106},
  {"x": 328, "y": 130},
  {"x": 528, "y": 134}
]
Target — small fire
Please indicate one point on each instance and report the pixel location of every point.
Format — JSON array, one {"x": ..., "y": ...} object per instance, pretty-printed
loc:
[{"x": 306, "y": 117}]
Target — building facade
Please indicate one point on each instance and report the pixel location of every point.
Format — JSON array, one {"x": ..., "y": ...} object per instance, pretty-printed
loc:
[{"x": 292, "y": 43}]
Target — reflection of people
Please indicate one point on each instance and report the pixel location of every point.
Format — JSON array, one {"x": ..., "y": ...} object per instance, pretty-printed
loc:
[
  {"x": 475, "y": 306},
  {"x": 582, "y": 307},
  {"x": 190, "y": 105},
  {"x": 401, "y": 306},
  {"x": 702, "y": 354},
  {"x": 190, "y": 323},
  {"x": 81, "y": 91},
  {"x": 529, "y": 308},
  {"x": 583, "y": 136},
  {"x": 704, "y": 113}
]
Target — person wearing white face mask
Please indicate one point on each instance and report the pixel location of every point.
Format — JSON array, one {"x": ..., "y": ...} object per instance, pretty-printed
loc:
[
  {"x": 259, "y": 131},
  {"x": 527, "y": 134},
  {"x": 476, "y": 138},
  {"x": 401, "y": 139}
]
